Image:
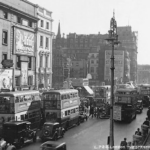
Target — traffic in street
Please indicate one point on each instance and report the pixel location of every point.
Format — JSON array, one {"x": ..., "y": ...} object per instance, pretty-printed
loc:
[{"x": 92, "y": 135}]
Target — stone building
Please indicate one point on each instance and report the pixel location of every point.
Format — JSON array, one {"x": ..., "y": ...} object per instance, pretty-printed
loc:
[
  {"x": 18, "y": 22},
  {"x": 44, "y": 48}
]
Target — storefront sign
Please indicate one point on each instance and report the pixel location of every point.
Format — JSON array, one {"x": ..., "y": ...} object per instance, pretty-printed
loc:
[
  {"x": 8, "y": 63},
  {"x": 118, "y": 63},
  {"x": 24, "y": 73},
  {"x": 24, "y": 42},
  {"x": 6, "y": 79}
]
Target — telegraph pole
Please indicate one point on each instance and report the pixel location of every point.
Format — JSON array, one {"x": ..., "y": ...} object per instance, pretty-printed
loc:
[{"x": 113, "y": 39}]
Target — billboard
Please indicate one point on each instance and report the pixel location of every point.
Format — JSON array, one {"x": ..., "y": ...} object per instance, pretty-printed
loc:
[
  {"x": 24, "y": 42},
  {"x": 24, "y": 73},
  {"x": 6, "y": 79},
  {"x": 118, "y": 63}
]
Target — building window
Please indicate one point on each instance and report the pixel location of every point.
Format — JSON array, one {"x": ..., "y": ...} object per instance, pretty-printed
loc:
[
  {"x": 19, "y": 19},
  {"x": 48, "y": 13},
  {"x": 46, "y": 61},
  {"x": 41, "y": 61},
  {"x": 5, "y": 37},
  {"x": 30, "y": 24},
  {"x": 5, "y": 15},
  {"x": 30, "y": 80},
  {"x": 17, "y": 81},
  {"x": 4, "y": 57},
  {"x": 41, "y": 41},
  {"x": 24, "y": 22},
  {"x": 92, "y": 61},
  {"x": 47, "y": 25},
  {"x": 47, "y": 42},
  {"x": 30, "y": 63},
  {"x": 42, "y": 23},
  {"x": 92, "y": 69},
  {"x": 18, "y": 62}
]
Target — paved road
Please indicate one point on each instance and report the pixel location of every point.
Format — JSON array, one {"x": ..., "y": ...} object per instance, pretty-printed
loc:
[{"x": 93, "y": 133}]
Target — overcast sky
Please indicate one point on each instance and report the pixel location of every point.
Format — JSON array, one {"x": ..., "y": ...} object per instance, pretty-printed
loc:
[{"x": 93, "y": 16}]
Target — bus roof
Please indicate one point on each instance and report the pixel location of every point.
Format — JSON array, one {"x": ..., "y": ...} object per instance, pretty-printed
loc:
[
  {"x": 61, "y": 91},
  {"x": 126, "y": 90},
  {"x": 19, "y": 93}
]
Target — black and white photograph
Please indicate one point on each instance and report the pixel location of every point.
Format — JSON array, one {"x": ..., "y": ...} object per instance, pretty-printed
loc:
[{"x": 86, "y": 62}]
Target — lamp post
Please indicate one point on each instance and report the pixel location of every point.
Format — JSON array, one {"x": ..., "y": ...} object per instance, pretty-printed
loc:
[{"x": 113, "y": 39}]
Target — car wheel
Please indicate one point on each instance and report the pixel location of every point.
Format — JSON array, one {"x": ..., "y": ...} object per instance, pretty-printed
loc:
[{"x": 55, "y": 137}]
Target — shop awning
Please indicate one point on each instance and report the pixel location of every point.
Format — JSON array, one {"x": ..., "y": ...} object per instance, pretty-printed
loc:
[{"x": 89, "y": 90}]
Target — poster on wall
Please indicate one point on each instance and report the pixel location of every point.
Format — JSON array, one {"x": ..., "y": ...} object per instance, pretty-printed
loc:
[
  {"x": 118, "y": 63},
  {"x": 6, "y": 79},
  {"x": 24, "y": 42},
  {"x": 24, "y": 73}
]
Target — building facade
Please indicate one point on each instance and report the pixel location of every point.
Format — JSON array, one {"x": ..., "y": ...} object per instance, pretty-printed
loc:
[
  {"x": 18, "y": 23},
  {"x": 44, "y": 48},
  {"x": 143, "y": 74}
]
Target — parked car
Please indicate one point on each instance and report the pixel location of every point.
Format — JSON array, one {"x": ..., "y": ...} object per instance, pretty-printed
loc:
[
  {"x": 49, "y": 145},
  {"x": 139, "y": 107},
  {"x": 52, "y": 131},
  {"x": 18, "y": 133}
]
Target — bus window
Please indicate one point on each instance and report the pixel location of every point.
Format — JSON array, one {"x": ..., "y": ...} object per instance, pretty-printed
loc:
[
  {"x": 22, "y": 117},
  {"x": 62, "y": 97},
  {"x": 26, "y": 116},
  {"x": 72, "y": 111},
  {"x": 68, "y": 112},
  {"x": 77, "y": 109},
  {"x": 71, "y": 95},
  {"x": 17, "y": 100}
]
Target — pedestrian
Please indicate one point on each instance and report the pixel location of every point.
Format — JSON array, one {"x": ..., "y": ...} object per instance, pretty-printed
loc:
[
  {"x": 138, "y": 132},
  {"x": 92, "y": 111},
  {"x": 123, "y": 145},
  {"x": 146, "y": 122},
  {"x": 98, "y": 112},
  {"x": 148, "y": 113}
]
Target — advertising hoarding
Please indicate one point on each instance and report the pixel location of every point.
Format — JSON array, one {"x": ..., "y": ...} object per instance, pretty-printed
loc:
[
  {"x": 118, "y": 63},
  {"x": 24, "y": 42},
  {"x": 24, "y": 73},
  {"x": 6, "y": 79}
]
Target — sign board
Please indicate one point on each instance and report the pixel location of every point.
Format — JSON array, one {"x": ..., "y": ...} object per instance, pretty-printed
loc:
[
  {"x": 118, "y": 62},
  {"x": 24, "y": 73},
  {"x": 24, "y": 42},
  {"x": 7, "y": 63},
  {"x": 6, "y": 79},
  {"x": 117, "y": 113}
]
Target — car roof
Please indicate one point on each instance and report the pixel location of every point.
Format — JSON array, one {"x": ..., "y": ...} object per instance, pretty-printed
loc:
[
  {"x": 51, "y": 123},
  {"x": 52, "y": 144},
  {"x": 15, "y": 123}
]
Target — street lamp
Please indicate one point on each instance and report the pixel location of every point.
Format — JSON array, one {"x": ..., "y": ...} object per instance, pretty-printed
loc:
[{"x": 113, "y": 39}]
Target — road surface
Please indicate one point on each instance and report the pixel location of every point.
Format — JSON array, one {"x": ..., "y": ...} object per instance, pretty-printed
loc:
[{"x": 92, "y": 135}]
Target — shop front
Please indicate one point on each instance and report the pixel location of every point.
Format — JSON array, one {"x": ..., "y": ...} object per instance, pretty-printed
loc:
[
  {"x": 24, "y": 60},
  {"x": 83, "y": 87}
]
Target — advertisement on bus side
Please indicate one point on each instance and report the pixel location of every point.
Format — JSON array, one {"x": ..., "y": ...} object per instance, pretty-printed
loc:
[{"x": 117, "y": 112}]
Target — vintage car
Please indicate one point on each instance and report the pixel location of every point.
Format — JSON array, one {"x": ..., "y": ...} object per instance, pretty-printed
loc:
[
  {"x": 18, "y": 133},
  {"x": 52, "y": 131},
  {"x": 139, "y": 106},
  {"x": 49, "y": 145}
]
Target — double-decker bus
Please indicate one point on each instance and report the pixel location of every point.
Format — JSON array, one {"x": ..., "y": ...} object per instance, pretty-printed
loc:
[
  {"x": 62, "y": 106},
  {"x": 21, "y": 105},
  {"x": 102, "y": 92},
  {"x": 125, "y": 105},
  {"x": 144, "y": 91}
]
